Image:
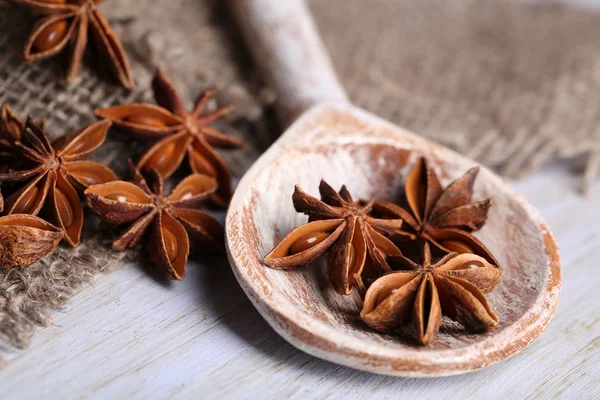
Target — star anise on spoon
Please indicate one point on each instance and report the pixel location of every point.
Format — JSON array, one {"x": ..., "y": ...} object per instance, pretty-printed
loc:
[
  {"x": 454, "y": 286},
  {"x": 168, "y": 221},
  {"x": 54, "y": 174},
  {"x": 71, "y": 23},
  {"x": 443, "y": 216},
  {"x": 178, "y": 133},
  {"x": 354, "y": 239}
]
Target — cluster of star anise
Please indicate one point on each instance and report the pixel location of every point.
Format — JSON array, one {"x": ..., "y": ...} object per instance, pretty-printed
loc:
[
  {"x": 411, "y": 262},
  {"x": 49, "y": 178}
]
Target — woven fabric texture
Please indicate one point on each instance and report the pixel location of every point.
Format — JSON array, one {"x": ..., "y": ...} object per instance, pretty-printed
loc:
[{"x": 513, "y": 84}]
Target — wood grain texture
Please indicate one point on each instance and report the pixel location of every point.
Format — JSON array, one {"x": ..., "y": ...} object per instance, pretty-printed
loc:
[{"x": 133, "y": 337}]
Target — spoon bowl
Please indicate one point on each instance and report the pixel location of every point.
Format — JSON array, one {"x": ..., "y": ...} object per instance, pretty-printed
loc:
[{"x": 345, "y": 145}]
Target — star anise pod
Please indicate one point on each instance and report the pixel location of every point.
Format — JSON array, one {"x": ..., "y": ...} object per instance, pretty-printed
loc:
[
  {"x": 179, "y": 133},
  {"x": 144, "y": 206},
  {"x": 70, "y": 23},
  {"x": 454, "y": 286},
  {"x": 355, "y": 240},
  {"x": 11, "y": 130},
  {"x": 25, "y": 239},
  {"x": 444, "y": 217},
  {"x": 55, "y": 174}
]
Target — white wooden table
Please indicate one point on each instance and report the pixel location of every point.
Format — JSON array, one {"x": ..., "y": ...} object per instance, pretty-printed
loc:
[{"x": 131, "y": 336}]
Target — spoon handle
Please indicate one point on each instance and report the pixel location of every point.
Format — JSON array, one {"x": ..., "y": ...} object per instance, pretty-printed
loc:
[{"x": 286, "y": 46}]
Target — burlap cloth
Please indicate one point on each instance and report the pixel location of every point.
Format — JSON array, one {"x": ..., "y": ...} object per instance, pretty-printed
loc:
[{"x": 512, "y": 84}]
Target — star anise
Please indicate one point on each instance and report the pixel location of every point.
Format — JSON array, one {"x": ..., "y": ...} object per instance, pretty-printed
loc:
[
  {"x": 11, "y": 129},
  {"x": 356, "y": 240},
  {"x": 144, "y": 206},
  {"x": 54, "y": 174},
  {"x": 454, "y": 286},
  {"x": 70, "y": 23},
  {"x": 179, "y": 133},
  {"x": 25, "y": 239},
  {"x": 444, "y": 217}
]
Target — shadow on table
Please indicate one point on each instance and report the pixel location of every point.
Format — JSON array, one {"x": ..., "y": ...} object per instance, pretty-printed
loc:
[{"x": 225, "y": 298}]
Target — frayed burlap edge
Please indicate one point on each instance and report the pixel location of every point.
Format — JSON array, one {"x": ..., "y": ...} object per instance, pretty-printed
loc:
[{"x": 27, "y": 294}]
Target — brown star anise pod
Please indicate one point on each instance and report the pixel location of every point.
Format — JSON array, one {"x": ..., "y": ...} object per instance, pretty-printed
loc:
[
  {"x": 145, "y": 206},
  {"x": 454, "y": 286},
  {"x": 53, "y": 175},
  {"x": 356, "y": 241},
  {"x": 25, "y": 238},
  {"x": 11, "y": 129},
  {"x": 444, "y": 217},
  {"x": 179, "y": 133},
  {"x": 70, "y": 23}
]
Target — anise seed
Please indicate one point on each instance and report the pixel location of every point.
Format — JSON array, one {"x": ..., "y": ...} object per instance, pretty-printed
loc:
[
  {"x": 64, "y": 208},
  {"x": 51, "y": 35},
  {"x": 162, "y": 157},
  {"x": 170, "y": 244},
  {"x": 117, "y": 197},
  {"x": 146, "y": 120},
  {"x": 307, "y": 241},
  {"x": 27, "y": 202},
  {"x": 457, "y": 246},
  {"x": 202, "y": 165},
  {"x": 128, "y": 197},
  {"x": 187, "y": 195}
]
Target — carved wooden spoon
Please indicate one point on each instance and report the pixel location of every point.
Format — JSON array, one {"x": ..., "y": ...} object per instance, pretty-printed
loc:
[{"x": 346, "y": 145}]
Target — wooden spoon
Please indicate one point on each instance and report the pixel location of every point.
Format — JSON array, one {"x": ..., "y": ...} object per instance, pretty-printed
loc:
[{"x": 346, "y": 145}]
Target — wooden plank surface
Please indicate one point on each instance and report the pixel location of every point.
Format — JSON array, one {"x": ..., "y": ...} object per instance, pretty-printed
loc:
[{"x": 132, "y": 336}]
